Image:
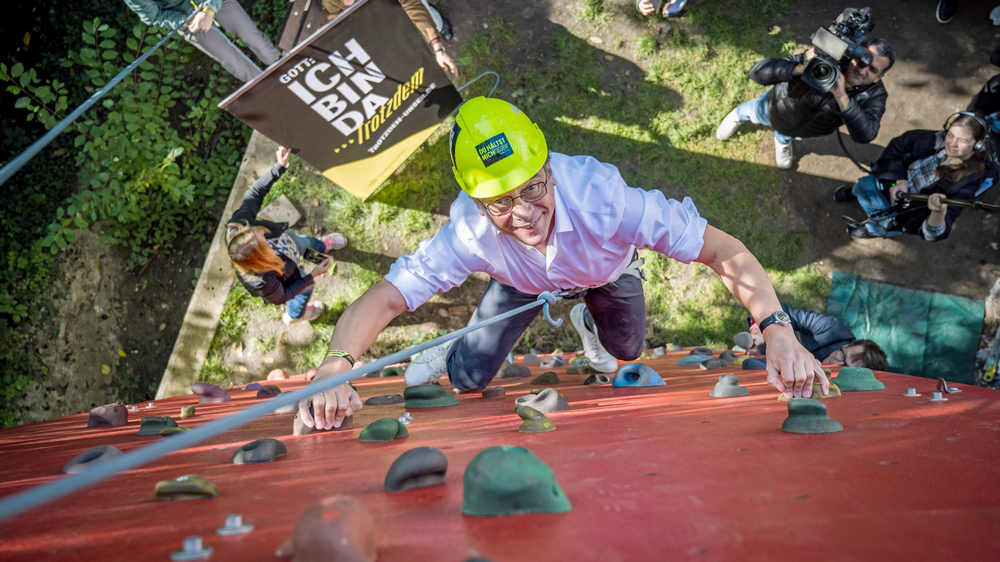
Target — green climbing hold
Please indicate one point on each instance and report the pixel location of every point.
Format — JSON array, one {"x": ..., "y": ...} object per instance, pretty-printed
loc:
[
  {"x": 507, "y": 480},
  {"x": 152, "y": 425},
  {"x": 548, "y": 377},
  {"x": 391, "y": 372},
  {"x": 187, "y": 487},
  {"x": 428, "y": 396},
  {"x": 806, "y": 415},
  {"x": 534, "y": 421},
  {"x": 383, "y": 429},
  {"x": 853, "y": 379}
]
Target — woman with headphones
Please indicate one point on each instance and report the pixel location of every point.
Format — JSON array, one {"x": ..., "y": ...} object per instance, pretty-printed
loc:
[
  {"x": 952, "y": 163},
  {"x": 266, "y": 256}
]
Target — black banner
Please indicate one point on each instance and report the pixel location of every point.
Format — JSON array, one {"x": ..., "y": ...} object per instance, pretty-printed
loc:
[{"x": 355, "y": 99}]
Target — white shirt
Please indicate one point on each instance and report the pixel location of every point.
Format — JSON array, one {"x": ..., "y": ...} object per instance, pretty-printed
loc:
[{"x": 599, "y": 221}]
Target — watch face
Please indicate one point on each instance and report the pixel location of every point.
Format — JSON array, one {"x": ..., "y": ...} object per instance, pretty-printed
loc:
[{"x": 782, "y": 317}]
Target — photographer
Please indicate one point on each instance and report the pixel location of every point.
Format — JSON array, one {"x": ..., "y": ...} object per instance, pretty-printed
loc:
[
  {"x": 795, "y": 109},
  {"x": 266, "y": 257},
  {"x": 951, "y": 163}
]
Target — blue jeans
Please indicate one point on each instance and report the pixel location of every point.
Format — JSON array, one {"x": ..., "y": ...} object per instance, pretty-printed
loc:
[
  {"x": 871, "y": 198},
  {"x": 618, "y": 309},
  {"x": 297, "y": 305},
  {"x": 755, "y": 111}
]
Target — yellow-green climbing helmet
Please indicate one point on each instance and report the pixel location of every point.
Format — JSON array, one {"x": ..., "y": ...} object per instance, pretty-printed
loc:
[{"x": 495, "y": 147}]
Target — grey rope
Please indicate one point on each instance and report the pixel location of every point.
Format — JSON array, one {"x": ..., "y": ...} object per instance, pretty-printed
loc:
[
  {"x": 23, "y": 501},
  {"x": 17, "y": 163},
  {"x": 496, "y": 82}
]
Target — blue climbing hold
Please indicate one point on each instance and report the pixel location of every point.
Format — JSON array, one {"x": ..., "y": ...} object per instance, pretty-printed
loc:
[
  {"x": 637, "y": 374},
  {"x": 754, "y": 363},
  {"x": 694, "y": 359}
]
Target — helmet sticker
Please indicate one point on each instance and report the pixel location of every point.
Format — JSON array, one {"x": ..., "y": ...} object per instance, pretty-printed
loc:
[{"x": 494, "y": 149}]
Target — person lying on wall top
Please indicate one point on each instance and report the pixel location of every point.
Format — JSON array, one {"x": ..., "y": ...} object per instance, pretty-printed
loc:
[
  {"x": 951, "y": 163},
  {"x": 432, "y": 25},
  {"x": 525, "y": 216},
  {"x": 266, "y": 256}
]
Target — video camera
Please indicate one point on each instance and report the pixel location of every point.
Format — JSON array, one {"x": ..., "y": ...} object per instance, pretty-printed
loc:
[{"x": 836, "y": 46}]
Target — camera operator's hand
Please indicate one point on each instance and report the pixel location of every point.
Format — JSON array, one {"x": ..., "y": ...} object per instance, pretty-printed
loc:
[
  {"x": 938, "y": 209},
  {"x": 201, "y": 22},
  {"x": 281, "y": 155},
  {"x": 902, "y": 186},
  {"x": 808, "y": 55},
  {"x": 839, "y": 91},
  {"x": 321, "y": 268}
]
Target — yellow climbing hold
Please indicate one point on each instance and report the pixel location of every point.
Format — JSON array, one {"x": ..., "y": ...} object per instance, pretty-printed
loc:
[
  {"x": 121, "y": 353},
  {"x": 105, "y": 369}
]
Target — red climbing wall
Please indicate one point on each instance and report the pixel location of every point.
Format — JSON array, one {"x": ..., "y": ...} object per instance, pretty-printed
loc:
[{"x": 662, "y": 473}]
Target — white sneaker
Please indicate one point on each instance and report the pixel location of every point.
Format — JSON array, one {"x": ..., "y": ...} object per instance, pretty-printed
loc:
[
  {"x": 728, "y": 126},
  {"x": 784, "y": 155},
  {"x": 598, "y": 357},
  {"x": 312, "y": 312},
  {"x": 428, "y": 366}
]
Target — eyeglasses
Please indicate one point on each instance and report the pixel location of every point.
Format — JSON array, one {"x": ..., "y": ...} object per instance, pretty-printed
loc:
[{"x": 530, "y": 194}]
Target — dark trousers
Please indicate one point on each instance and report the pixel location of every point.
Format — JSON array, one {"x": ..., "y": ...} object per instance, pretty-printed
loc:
[{"x": 618, "y": 310}]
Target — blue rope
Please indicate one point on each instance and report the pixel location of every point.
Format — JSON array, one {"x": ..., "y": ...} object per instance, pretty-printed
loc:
[
  {"x": 23, "y": 501},
  {"x": 17, "y": 163}
]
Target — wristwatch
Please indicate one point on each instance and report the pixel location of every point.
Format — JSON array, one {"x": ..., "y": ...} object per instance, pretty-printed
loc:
[{"x": 776, "y": 317}]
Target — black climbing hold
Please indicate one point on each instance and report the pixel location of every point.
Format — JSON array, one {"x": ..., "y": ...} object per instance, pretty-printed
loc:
[
  {"x": 152, "y": 425},
  {"x": 259, "y": 451},
  {"x": 108, "y": 415},
  {"x": 384, "y": 399},
  {"x": 494, "y": 392},
  {"x": 90, "y": 457},
  {"x": 423, "y": 466},
  {"x": 599, "y": 378},
  {"x": 268, "y": 391},
  {"x": 548, "y": 377}
]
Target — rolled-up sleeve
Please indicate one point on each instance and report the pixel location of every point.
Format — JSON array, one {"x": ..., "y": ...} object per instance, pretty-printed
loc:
[
  {"x": 439, "y": 264},
  {"x": 673, "y": 228}
]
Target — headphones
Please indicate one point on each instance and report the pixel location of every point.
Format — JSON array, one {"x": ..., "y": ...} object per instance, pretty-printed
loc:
[{"x": 980, "y": 143}]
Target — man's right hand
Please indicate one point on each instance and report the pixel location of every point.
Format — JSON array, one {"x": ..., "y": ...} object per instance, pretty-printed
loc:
[
  {"x": 902, "y": 186},
  {"x": 330, "y": 407},
  {"x": 201, "y": 22},
  {"x": 320, "y": 268}
]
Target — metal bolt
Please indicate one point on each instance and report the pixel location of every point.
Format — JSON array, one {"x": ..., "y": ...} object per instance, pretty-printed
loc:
[
  {"x": 133, "y": 408},
  {"x": 192, "y": 549},
  {"x": 151, "y": 405},
  {"x": 937, "y": 397},
  {"x": 911, "y": 392},
  {"x": 234, "y": 525},
  {"x": 405, "y": 419}
]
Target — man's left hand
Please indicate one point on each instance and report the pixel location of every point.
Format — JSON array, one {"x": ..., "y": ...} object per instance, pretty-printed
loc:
[
  {"x": 839, "y": 91},
  {"x": 446, "y": 63},
  {"x": 790, "y": 368},
  {"x": 201, "y": 22}
]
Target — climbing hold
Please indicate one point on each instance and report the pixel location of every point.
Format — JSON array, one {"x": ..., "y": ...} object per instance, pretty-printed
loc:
[
  {"x": 581, "y": 362},
  {"x": 506, "y": 480},
  {"x": 911, "y": 392},
  {"x": 728, "y": 356},
  {"x": 428, "y": 396},
  {"x": 637, "y": 374},
  {"x": 806, "y": 415},
  {"x": 534, "y": 421},
  {"x": 598, "y": 378},
  {"x": 817, "y": 393},
  {"x": 548, "y": 377},
  {"x": 531, "y": 359},
  {"x": 335, "y": 528},
  {"x": 90, "y": 457},
  {"x": 658, "y": 351},
  {"x": 268, "y": 391},
  {"x": 172, "y": 430},
  {"x": 383, "y": 429},
  {"x": 383, "y": 399},
  {"x": 255, "y": 385},
  {"x": 553, "y": 362},
  {"x": 209, "y": 393},
  {"x": 151, "y": 405},
  {"x": 416, "y": 468},
  {"x": 391, "y": 372},
  {"x": 152, "y": 425},
  {"x": 852, "y": 379},
  {"x": 581, "y": 370},
  {"x": 744, "y": 340},
  {"x": 693, "y": 360},
  {"x": 192, "y": 549},
  {"x": 512, "y": 371},
  {"x": 187, "y": 411},
  {"x": 674, "y": 347},
  {"x": 234, "y": 525},
  {"x": 701, "y": 351},
  {"x": 108, "y": 415},
  {"x": 716, "y": 363},
  {"x": 728, "y": 386},
  {"x": 494, "y": 392},
  {"x": 187, "y": 487},
  {"x": 259, "y": 451},
  {"x": 546, "y": 401},
  {"x": 937, "y": 397},
  {"x": 754, "y": 363},
  {"x": 299, "y": 428}
]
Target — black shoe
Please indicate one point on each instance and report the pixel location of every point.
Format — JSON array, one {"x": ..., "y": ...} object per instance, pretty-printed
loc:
[
  {"x": 445, "y": 31},
  {"x": 844, "y": 193},
  {"x": 859, "y": 231},
  {"x": 945, "y": 10}
]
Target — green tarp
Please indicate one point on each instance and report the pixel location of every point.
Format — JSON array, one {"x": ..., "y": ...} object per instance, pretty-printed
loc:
[{"x": 925, "y": 334}]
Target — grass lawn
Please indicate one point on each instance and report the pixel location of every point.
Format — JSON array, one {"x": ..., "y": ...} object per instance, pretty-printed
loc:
[{"x": 643, "y": 96}]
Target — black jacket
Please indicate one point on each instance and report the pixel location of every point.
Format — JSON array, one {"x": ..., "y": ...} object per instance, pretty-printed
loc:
[
  {"x": 798, "y": 110},
  {"x": 820, "y": 334},
  {"x": 914, "y": 145},
  {"x": 268, "y": 285}
]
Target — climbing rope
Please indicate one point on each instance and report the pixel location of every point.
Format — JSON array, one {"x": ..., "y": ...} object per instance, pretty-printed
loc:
[
  {"x": 52, "y": 491},
  {"x": 17, "y": 163}
]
